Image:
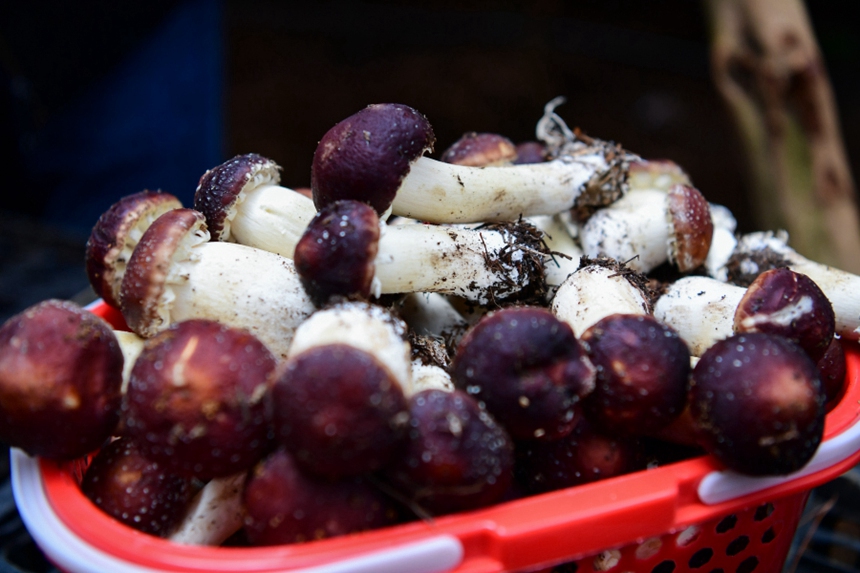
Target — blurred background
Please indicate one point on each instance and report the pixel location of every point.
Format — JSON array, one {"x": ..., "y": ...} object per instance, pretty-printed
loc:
[{"x": 103, "y": 99}]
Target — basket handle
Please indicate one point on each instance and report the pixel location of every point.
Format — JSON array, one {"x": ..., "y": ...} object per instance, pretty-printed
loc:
[{"x": 719, "y": 486}]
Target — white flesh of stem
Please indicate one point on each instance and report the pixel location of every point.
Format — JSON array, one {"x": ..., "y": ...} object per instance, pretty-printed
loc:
[
  {"x": 131, "y": 345},
  {"x": 363, "y": 326},
  {"x": 635, "y": 229},
  {"x": 439, "y": 192},
  {"x": 431, "y": 314},
  {"x": 448, "y": 260},
  {"x": 215, "y": 513},
  {"x": 430, "y": 377},
  {"x": 241, "y": 287},
  {"x": 700, "y": 309},
  {"x": 595, "y": 292},
  {"x": 272, "y": 218},
  {"x": 559, "y": 240}
]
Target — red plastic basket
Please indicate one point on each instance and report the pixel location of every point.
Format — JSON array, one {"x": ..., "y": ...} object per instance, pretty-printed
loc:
[{"x": 685, "y": 516}]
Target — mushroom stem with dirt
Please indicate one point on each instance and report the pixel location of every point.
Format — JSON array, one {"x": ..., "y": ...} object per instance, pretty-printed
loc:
[
  {"x": 176, "y": 273},
  {"x": 345, "y": 251},
  {"x": 243, "y": 202},
  {"x": 377, "y": 156}
]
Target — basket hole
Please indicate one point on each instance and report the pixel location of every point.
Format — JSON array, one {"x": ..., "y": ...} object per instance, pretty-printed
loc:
[
  {"x": 718, "y": 570},
  {"x": 727, "y": 523},
  {"x": 701, "y": 557},
  {"x": 737, "y": 545},
  {"x": 763, "y": 511},
  {"x": 570, "y": 567},
  {"x": 665, "y": 567},
  {"x": 768, "y": 535},
  {"x": 748, "y": 565}
]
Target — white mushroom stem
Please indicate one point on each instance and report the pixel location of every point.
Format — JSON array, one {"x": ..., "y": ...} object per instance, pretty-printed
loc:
[
  {"x": 635, "y": 229},
  {"x": 723, "y": 242},
  {"x": 595, "y": 292},
  {"x": 840, "y": 287},
  {"x": 431, "y": 314},
  {"x": 700, "y": 309},
  {"x": 480, "y": 265},
  {"x": 439, "y": 192},
  {"x": 566, "y": 252},
  {"x": 131, "y": 345},
  {"x": 237, "y": 285},
  {"x": 214, "y": 514},
  {"x": 430, "y": 377},
  {"x": 271, "y": 218},
  {"x": 364, "y": 326}
]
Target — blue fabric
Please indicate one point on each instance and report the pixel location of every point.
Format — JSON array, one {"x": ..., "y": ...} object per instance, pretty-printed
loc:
[{"x": 155, "y": 122}]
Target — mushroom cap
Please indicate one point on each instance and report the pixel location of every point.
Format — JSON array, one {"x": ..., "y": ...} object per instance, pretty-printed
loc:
[
  {"x": 199, "y": 399},
  {"x": 692, "y": 227},
  {"x": 643, "y": 368},
  {"x": 339, "y": 410},
  {"x": 115, "y": 235},
  {"x": 366, "y": 156},
  {"x": 530, "y": 152},
  {"x": 787, "y": 303},
  {"x": 480, "y": 150},
  {"x": 60, "y": 380},
  {"x": 757, "y": 404},
  {"x": 221, "y": 188},
  {"x": 143, "y": 287},
  {"x": 456, "y": 458},
  {"x": 336, "y": 254},
  {"x": 135, "y": 490},
  {"x": 285, "y": 506},
  {"x": 659, "y": 174},
  {"x": 528, "y": 368}
]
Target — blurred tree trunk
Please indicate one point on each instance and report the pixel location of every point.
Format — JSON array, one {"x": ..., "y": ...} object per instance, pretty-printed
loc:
[{"x": 767, "y": 66}]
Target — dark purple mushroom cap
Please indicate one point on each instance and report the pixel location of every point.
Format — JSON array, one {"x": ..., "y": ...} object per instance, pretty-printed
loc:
[
  {"x": 366, "y": 156},
  {"x": 339, "y": 410},
  {"x": 115, "y": 235},
  {"x": 643, "y": 368},
  {"x": 456, "y": 458},
  {"x": 480, "y": 150},
  {"x": 757, "y": 404},
  {"x": 528, "y": 368},
  {"x": 221, "y": 188},
  {"x": 136, "y": 491},
  {"x": 284, "y": 506},
  {"x": 143, "y": 287},
  {"x": 60, "y": 380},
  {"x": 585, "y": 455},
  {"x": 199, "y": 399},
  {"x": 530, "y": 152},
  {"x": 336, "y": 254},
  {"x": 692, "y": 226},
  {"x": 787, "y": 303}
]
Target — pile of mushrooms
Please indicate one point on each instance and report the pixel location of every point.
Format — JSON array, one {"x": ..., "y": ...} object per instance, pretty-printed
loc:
[{"x": 420, "y": 336}]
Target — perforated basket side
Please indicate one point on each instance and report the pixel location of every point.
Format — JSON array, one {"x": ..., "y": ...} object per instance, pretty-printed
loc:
[{"x": 755, "y": 540}]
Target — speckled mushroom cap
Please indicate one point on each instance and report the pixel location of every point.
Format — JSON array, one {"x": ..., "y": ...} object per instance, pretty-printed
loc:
[
  {"x": 143, "y": 288},
  {"x": 366, "y": 156},
  {"x": 115, "y": 235},
  {"x": 480, "y": 150},
  {"x": 692, "y": 227},
  {"x": 222, "y": 188}
]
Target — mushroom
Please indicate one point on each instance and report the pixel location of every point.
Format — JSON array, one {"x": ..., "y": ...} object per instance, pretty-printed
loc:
[
  {"x": 244, "y": 203},
  {"x": 481, "y": 150},
  {"x": 704, "y": 310},
  {"x": 340, "y": 397},
  {"x": 528, "y": 368},
  {"x": 60, "y": 379},
  {"x": 599, "y": 288},
  {"x": 642, "y": 367},
  {"x": 136, "y": 491},
  {"x": 346, "y": 252},
  {"x": 176, "y": 274},
  {"x": 283, "y": 505},
  {"x": 115, "y": 235},
  {"x": 198, "y": 401},
  {"x": 376, "y": 156},
  {"x": 646, "y": 228},
  {"x": 758, "y": 252},
  {"x": 757, "y": 404}
]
